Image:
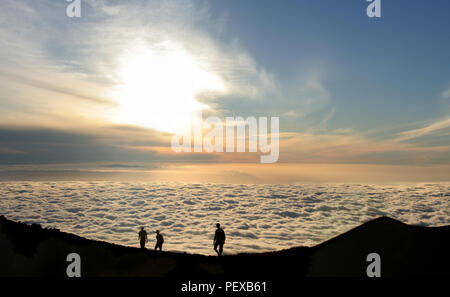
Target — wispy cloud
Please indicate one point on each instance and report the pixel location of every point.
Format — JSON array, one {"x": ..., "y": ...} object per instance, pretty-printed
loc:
[
  {"x": 446, "y": 94},
  {"x": 61, "y": 74},
  {"x": 407, "y": 135},
  {"x": 81, "y": 58},
  {"x": 57, "y": 87},
  {"x": 355, "y": 148}
]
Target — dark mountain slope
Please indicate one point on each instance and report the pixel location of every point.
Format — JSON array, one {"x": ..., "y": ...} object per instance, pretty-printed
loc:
[{"x": 29, "y": 250}]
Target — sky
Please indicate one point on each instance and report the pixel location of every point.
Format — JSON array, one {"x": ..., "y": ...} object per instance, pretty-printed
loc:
[{"x": 114, "y": 85}]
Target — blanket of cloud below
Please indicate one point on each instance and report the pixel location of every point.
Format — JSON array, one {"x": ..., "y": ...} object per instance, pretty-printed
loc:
[{"x": 255, "y": 217}]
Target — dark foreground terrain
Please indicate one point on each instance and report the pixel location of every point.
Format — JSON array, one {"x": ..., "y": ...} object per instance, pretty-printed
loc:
[{"x": 405, "y": 250}]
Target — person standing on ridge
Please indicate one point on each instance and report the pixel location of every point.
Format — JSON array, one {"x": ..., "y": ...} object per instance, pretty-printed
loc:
[
  {"x": 143, "y": 237},
  {"x": 219, "y": 240},
  {"x": 159, "y": 241}
]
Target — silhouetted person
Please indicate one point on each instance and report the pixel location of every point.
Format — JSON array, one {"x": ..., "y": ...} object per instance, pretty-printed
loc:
[
  {"x": 142, "y": 237},
  {"x": 159, "y": 241},
  {"x": 219, "y": 240}
]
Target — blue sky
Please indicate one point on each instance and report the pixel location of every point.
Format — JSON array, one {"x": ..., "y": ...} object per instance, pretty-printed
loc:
[
  {"x": 381, "y": 71},
  {"x": 347, "y": 88}
]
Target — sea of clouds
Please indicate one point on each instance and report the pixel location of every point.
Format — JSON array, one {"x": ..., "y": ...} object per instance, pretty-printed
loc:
[{"x": 255, "y": 217}]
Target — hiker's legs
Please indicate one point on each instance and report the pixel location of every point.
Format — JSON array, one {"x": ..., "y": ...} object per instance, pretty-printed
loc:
[{"x": 215, "y": 247}]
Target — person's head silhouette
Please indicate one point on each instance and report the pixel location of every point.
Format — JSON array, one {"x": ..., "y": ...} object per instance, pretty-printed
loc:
[
  {"x": 157, "y": 231},
  {"x": 142, "y": 228},
  {"x": 218, "y": 225}
]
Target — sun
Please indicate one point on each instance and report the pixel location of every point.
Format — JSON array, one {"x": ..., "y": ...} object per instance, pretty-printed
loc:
[{"x": 159, "y": 84}]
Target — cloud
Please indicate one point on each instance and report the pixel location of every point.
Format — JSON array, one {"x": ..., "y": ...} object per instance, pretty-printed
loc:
[
  {"x": 57, "y": 87},
  {"x": 51, "y": 58},
  {"x": 446, "y": 94},
  {"x": 61, "y": 74},
  {"x": 121, "y": 166},
  {"x": 324, "y": 122},
  {"x": 292, "y": 114},
  {"x": 310, "y": 96},
  {"x": 154, "y": 23},
  {"x": 5, "y": 150},
  {"x": 112, "y": 144},
  {"x": 344, "y": 131},
  {"x": 407, "y": 135},
  {"x": 351, "y": 147}
]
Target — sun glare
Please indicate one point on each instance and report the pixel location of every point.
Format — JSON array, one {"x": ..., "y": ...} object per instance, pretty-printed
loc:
[{"x": 159, "y": 85}]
